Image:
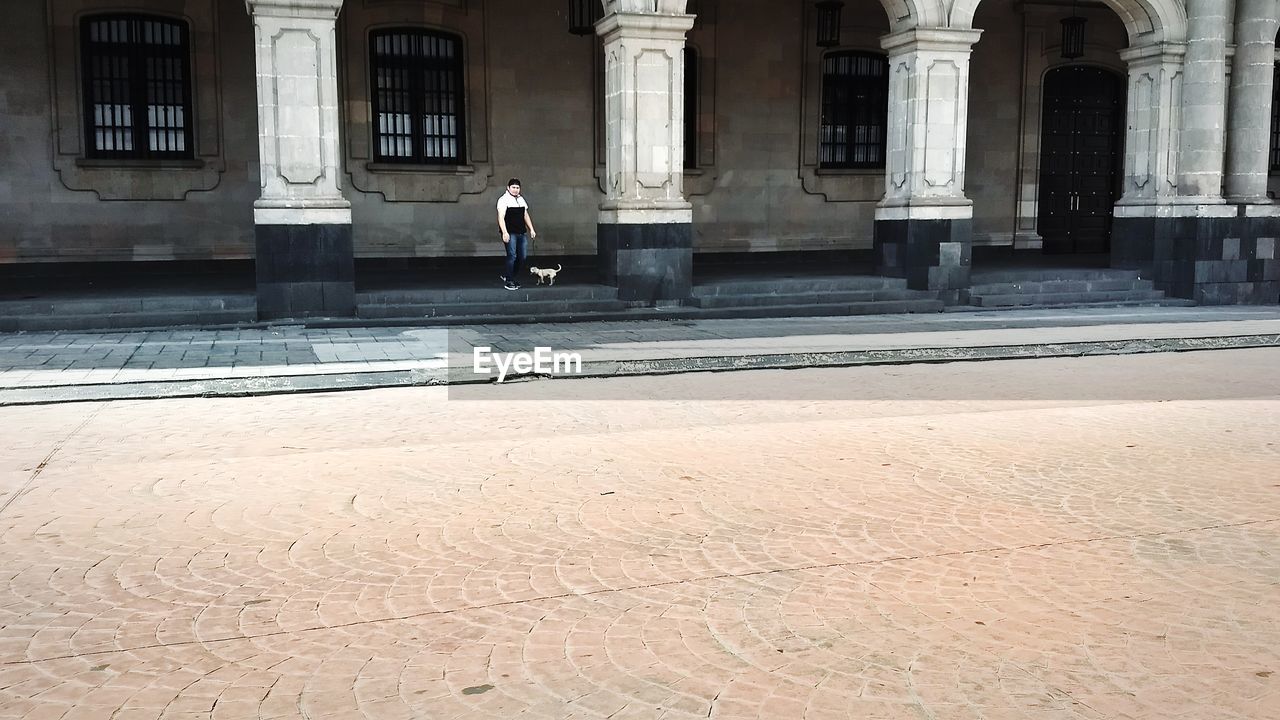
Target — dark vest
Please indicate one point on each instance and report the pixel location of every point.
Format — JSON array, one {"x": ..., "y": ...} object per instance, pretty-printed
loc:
[{"x": 515, "y": 221}]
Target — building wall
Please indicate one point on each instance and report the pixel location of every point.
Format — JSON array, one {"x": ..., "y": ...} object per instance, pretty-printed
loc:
[
  {"x": 534, "y": 111},
  {"x": 544, "y": 124},
  {"x": 995, "y": 114},
  {"x": 530, "y": 115},
  {"x": 43, "y": 219}
]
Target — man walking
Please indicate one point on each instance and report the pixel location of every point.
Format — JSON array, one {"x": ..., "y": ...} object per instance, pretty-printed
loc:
[{"x": 517, "y": 227}]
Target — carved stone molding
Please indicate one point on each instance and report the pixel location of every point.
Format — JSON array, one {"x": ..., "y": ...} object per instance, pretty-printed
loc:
[
  {"x": 644, "y": 113},
  {"x": 1151, "y": 140},
  {"x": 417, "y": 183},
  {"x": 928, "y": 121},
  {"x": 132, "y": 179}
]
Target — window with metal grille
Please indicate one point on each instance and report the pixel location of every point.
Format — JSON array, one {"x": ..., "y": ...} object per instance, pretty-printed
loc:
[
  {"x": 137, "y": 87},
  {"x": 1274, "y": 163},
  {"x": 417, "y": 97},
  {"x": 855, "y": 110},
  {"x": 690, "y": 107}
]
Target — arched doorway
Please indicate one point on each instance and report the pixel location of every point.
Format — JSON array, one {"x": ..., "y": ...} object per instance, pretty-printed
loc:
[{"x": 1081, "y": 141}]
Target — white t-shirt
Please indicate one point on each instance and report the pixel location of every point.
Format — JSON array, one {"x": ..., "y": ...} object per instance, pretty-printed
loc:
[
  {"x": 508, "y": 200},
  {"x": 513, "y": 209}
]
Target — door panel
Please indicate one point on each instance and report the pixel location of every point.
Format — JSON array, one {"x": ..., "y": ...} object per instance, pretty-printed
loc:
[{"x": 1079, "y": 158}]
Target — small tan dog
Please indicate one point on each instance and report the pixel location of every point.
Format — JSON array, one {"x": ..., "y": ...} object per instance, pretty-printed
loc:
[{"x": 546, "y": 274}]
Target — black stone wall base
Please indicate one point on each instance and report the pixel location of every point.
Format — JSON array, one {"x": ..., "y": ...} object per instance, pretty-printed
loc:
[
  {"x": 1214, "y": 261},
  {"x": 648, "y": 263},
  {"x": 933, "y": 255},
  {"x": 305, "y": 271}
]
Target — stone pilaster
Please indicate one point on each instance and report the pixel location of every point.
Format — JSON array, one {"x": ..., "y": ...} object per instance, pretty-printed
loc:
[
  {"x": 1148, "y": 207},
  {"x": 645, "y": 227},
  {"x": 1151, "y": 139},
  {"x": 1249, "y": 107},
  {"x": 302, "y": 222},
  {"x": 924, "y": 224}
]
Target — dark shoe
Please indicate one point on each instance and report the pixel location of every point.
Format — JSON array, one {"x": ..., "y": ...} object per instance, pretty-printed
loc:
[{"x": 510, "y": 285}]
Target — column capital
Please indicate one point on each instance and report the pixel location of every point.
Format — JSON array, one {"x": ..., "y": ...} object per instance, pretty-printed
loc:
[
  {"x": 294, "y": 8},
  {"x": 645, "y": 7},
  {"x": 650, "y": 26},
  {"x": 930, "y": 40},
  {"x": 1154, "y": 54}
]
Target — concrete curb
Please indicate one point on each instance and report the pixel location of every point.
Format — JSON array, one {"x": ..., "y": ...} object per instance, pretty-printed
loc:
[{"x": 247, "y": 387}]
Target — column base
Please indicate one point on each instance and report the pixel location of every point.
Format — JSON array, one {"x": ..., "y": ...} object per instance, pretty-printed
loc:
[
  {"x": 932, "y": 255},
  {"x": 647, "y": 262},
  {"x": 1212, "y": 260},
  {"x": 305, "y": 271}
]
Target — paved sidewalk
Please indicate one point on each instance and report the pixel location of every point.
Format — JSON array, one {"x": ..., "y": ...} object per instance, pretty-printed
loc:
[{"x": 65, "y": 366}]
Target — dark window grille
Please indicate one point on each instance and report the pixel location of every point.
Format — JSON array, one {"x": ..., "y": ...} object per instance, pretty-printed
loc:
[
  {"x": 1274, "y": 163},
  {"x": 690, "y": 107},
  {"x": 137, "y": 87},
  {"x": 417, "y": 97},
  {"x": 855, "y": 110}
]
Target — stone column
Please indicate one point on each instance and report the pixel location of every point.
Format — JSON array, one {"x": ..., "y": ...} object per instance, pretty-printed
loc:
[
  {"x": 645, "y": 230},
  {"x": 1204, "y": 95},
  {"x": 924, "y": 224},
  {"x": 1249, "y": 108},
  {"x": 302, "y": 222}
]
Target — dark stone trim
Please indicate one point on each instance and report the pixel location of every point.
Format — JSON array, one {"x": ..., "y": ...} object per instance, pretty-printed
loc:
[
  {"x": 934, "y": 255},
  {"x": 648, "y": 263},
  {"x": 1214, "y": 261},
  {"x": 305, "y": 271}
]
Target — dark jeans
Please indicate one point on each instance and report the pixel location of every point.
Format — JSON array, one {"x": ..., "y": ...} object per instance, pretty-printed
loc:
[{"x": 517, "y": 253}]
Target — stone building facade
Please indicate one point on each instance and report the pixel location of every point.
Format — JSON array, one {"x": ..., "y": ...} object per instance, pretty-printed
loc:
[{"x": 317, "y": 132}]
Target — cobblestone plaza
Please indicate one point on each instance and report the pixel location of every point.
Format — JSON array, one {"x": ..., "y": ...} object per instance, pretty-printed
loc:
[{"x": 400, "y": 554}]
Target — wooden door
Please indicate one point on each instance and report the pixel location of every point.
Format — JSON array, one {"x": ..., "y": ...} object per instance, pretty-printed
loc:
[{"x": 1080, "y": 143}]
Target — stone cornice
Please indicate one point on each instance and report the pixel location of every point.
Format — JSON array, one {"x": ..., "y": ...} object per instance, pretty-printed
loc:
[
  {"x": 646, "y": 7},
  {"x": 930, "y": 40},
  {"x": 326, "y": 9},
  {"x": 1154, "y": 53},
  {"x": 647, "y": 25}
]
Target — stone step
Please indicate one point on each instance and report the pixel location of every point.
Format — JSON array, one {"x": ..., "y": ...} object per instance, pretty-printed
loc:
[
  {"x": 798, "y": 285},
  {"x": 877, "y": 307},
  {"x": 1165, "y": 302},
  {"x": 513, "y": 307},
  {"x": 496, "y": 293},
  {"x": 648, "y": 313},
  {"x": 813, "y": 298},
  {"x": 81, "y": 307},
  {"x": 1024, "y": 275},
  {"x": 129, "y": 320},
  {"x": 1061, "y": 286},
  {"x": 1068, "y": 298}
]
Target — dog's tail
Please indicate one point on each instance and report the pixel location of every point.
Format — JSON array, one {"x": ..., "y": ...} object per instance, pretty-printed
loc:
[{"x": 559, "y": 267}]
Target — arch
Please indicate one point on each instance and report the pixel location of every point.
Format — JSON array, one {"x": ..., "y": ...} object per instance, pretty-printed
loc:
[
  {"x": 1146, "y": 21},
  {"x": 906, "y": 14}
]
